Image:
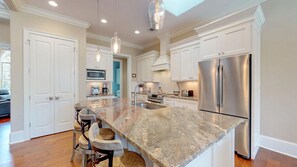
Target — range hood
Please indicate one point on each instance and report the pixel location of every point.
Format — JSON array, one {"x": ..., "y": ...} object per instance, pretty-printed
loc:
[{"x": 163, "y": 61}]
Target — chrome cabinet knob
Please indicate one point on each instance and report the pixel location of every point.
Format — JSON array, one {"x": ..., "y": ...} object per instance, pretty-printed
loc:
[
  {"x": 50, "y": 98},
  {"x": 57, "y": 97}
]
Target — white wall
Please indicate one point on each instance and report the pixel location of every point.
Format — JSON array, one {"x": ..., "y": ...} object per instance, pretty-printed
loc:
[
  {"x": 18, "y": 21},
  {"x": 279, "y": 70}
]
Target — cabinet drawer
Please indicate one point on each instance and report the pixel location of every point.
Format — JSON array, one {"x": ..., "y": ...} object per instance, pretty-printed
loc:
[{"x": 189, "y": 104}]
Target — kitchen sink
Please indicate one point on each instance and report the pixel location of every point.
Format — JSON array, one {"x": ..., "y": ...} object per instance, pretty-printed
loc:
[{"x": 150, "y": 106}]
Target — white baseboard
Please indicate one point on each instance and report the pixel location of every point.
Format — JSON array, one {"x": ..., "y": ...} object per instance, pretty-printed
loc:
[
  {"x": 280, "y": 146},
  {"x": 16, "y": 137},
  {"x": 254, "y": 153}
]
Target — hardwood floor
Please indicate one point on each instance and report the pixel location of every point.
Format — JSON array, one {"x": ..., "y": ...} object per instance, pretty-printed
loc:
[{"x": 55, "y": 150}]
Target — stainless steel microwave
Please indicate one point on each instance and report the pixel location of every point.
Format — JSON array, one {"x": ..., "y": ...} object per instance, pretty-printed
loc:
[{"x": 96, "y": 74}]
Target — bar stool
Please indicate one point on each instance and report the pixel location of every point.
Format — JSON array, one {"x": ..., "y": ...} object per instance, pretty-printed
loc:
[
  {"x": 85, "y": 148},
  {"x": 76, "y": 128},
  {"x": 108, "y": 149}
]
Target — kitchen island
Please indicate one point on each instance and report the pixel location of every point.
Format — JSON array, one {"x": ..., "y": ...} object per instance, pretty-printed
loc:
[{"x": 171, "y": 136}]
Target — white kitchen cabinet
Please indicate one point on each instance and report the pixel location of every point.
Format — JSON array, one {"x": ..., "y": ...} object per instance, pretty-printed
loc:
[
  {"x": 91, "y": 60},
  {"x": 210, "y": 46},
  {"x": 188, "y": 104},
  {"x": 105, "y": 63},
  {"x": 186, "y": 60},
  {"x": 144, "y": 66},
  {"x": 175, "y": 65},
  {"x": 184, "y": 63},
  {"x": 109, "y": 65},
  {"x": 168, "y": 101},
  {"x": 235, "y": 40},
  {"x": 182, "y": 103},
  {"x": 223, "y": 151},
  {"x": 100, "y": 97}
]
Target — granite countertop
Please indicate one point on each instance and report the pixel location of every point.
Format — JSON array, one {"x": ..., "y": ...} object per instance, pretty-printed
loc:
[
  {"x": 100, "y": 95},
  {"x": 181, "y": 97},
  {"x": 169, "y": 136}
]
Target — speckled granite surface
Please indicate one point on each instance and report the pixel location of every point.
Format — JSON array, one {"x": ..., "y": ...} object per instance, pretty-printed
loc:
[
  {"x": 181, "y": 97},
  {"x": 169, "y": 136}
]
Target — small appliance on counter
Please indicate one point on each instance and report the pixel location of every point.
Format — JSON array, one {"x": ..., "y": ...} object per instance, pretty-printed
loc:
[
  {"x": 105, "y": 90},
  {"x": 95, "y": 90},
  {"x": 187, "y": 93}
]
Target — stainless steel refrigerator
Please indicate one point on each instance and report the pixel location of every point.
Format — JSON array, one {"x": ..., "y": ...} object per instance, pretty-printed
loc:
[{"x": 225, "y": 88}]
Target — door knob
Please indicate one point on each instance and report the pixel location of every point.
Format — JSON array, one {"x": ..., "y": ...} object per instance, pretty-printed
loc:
[{"x": 50, "y": 98}]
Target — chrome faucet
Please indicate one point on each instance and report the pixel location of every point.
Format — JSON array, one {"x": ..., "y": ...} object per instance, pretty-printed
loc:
[{"x": 137, "y": 85}]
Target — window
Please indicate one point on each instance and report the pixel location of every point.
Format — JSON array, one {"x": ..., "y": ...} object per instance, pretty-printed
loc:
[{"x": 5, "y": 69}]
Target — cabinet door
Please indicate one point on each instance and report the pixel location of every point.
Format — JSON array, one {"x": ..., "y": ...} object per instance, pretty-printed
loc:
[
  {"x": 196, "y": 59},
  {"x": 109, "y": 67},
  {"x": 91, "y": 62},
  {"x": 186, "y": 60},
  {"x": 188, "y": 104},
  {"x": 175, "y": 65},
  {"x": 139, "y": 77},
  {"x": 236, "y": 40},
  {"x": 149, "y": 73},
  {"x": 210, "y": 46}
]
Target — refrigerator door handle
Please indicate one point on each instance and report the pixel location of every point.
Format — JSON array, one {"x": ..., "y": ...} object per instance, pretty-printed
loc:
[
  {"x": 221, "y": 85},
  {"x": 218, "y": 86}
]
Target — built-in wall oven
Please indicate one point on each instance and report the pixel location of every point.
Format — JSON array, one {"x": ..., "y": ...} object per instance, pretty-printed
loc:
[{"x": 96, "y": 74}]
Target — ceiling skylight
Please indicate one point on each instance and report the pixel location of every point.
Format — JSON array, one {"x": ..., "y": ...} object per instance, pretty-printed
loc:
[{"x": 178, "y": 7}]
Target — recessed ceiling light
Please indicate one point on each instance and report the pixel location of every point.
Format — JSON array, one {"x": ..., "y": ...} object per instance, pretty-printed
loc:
[
  {"x": 136, "y": 32},
  {"x": 103, "y": 21},
  {"x": 53, "y": 3}
]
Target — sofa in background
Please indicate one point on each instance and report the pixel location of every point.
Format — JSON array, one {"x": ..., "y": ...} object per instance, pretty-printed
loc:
[{"x": 4, "y": 103}]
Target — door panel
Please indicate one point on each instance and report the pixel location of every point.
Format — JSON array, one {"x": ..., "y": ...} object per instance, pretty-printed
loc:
[
  {"x": 196, "y": 52},
  {"x": 64, "y": 85},
  {"x": 208, "y": 84},
  {"x": 186, "y": 60},
  {"x": 210, "y": 46},
  {"x": 175, "y": 65},
  {"x": 235, "y": 96},
  {"x": 41, "y": 85}
]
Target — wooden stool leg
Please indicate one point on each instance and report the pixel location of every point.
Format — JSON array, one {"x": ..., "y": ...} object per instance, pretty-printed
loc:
[
  {"x": 84, "y": 160},
  {"x": 110, "y": 161},
  {"x": 74, "y": 145}
]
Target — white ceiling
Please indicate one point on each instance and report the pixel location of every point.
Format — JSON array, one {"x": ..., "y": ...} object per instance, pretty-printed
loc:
[{"x": 133, "y": 14}]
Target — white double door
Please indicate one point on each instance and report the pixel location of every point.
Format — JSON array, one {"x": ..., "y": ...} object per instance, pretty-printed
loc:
[{"x": 51, "y": 85}]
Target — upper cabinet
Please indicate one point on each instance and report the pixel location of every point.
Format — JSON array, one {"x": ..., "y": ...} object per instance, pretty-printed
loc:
[
  {"x": 184, "y": 61},
  {"x": 144, "y": 66},
  {"x": 105, "y": 62},
  {"x": 234, "y": 40}
]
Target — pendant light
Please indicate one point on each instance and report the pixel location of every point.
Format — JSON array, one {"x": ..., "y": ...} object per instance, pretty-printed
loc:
[
  {"x": 156, "y": 14},
  {"x": 98, "y": 53},
  {"x": 115, "y": 41}
]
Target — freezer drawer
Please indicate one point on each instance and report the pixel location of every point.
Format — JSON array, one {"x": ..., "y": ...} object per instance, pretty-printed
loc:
[{"x": 242, "y": 140}]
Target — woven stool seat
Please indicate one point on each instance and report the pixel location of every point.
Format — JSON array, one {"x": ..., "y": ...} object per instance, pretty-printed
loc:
[
  {"x": 76, "y": 126},
  {"x": 106, "y": 134},
  {"x": 129, "y": 159}
]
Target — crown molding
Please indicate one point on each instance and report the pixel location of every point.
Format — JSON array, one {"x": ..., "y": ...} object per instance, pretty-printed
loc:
[
  {"x": 20, "y": 6},
  {"x": 107, "y": 39},
  {"x": 4, "y": 14}
]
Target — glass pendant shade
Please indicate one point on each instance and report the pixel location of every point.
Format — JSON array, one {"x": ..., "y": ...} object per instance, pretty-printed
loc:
[
  {"x": 115, "y": 44},
  {"x": 156, "y": 14},
  {"x": 98, "y": 56}
]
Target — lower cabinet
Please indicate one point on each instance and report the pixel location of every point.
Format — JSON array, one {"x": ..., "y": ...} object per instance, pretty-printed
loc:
[
  {"x": 220, "y": 154},
  {"x": 174, "y": 102},
  {"x": 100, "y": 97}
]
